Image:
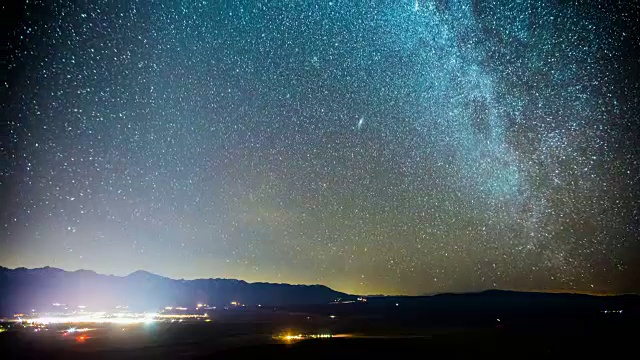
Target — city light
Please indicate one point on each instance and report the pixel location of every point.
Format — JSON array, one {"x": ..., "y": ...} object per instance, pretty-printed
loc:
[
  {"x": 289, "y": 338},
  {"x": 293, "y": 337},
  {"x": 181, "y": 316},
  {"x": 81, "y": 338},
  {"x": 99, "y": 317}
]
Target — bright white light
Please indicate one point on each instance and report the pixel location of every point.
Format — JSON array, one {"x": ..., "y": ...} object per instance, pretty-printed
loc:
[
  {"x": 93, "y": 318},
  {"x": 149, "y": 318}
]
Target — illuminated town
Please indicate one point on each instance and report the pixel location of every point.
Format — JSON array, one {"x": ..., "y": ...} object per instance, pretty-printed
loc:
[
  {"x": 80, "y": 324},
  {"x": 80, "y": 314}
]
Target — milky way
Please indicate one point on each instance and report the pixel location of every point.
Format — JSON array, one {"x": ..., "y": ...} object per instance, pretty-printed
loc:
[{"x": 378, "y": 147}]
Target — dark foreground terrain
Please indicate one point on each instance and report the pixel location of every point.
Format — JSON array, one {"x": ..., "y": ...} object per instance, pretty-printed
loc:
[
  {"x": 412, "y": 327},
  {"x": 193, "y": 344}
]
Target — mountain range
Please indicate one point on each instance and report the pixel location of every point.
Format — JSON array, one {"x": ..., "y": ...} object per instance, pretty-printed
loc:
[{"x": 23, "y": 289}]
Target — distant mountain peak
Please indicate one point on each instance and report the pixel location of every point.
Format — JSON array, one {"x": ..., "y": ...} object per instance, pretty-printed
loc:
[
  {"x": 144, "y": 274},
  {"x": 47, "y": 269},
  {"x": 82, "y": 271}
]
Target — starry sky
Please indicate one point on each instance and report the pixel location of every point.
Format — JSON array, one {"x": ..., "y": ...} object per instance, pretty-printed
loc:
[{"x": 387, "y": 147}]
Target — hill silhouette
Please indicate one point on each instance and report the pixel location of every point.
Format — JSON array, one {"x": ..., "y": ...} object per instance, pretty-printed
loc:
[{"x": 23, "y": 289}]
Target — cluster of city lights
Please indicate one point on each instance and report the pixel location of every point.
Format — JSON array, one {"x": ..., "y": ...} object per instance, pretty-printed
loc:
[
  {"x": 97, "y": 317},
  {"x": 181, "y": 316},
  {"x": 612, "y": 311},
  {"x": 79, "y": 314},
  {"x": 298, "y": 337}
]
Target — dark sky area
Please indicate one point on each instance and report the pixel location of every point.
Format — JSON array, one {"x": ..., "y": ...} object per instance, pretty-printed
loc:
[{"x": 372, "y": 146}]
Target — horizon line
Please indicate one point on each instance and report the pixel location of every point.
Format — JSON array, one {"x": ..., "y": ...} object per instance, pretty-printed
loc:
[{"x": 426, "y": 294}]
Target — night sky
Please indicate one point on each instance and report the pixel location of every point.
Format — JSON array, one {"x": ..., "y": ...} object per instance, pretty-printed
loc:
[{"x": 374, "y": 147}]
